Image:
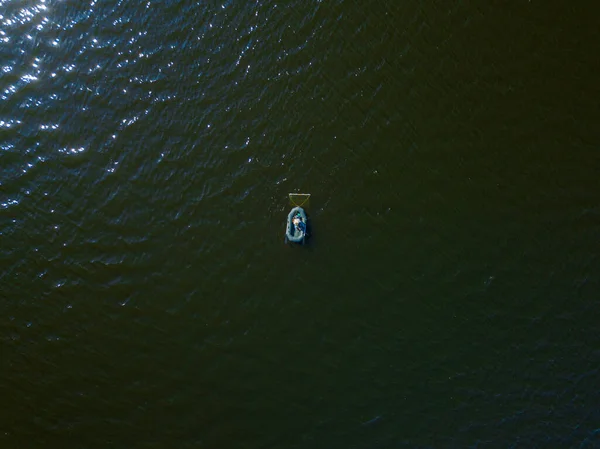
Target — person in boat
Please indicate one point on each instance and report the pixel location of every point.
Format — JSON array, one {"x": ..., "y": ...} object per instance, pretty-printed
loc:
[{"x": 298, "y": 223}]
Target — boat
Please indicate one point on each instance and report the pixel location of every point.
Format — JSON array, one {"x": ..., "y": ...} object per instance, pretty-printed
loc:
[{"x": 296, "y": 230}]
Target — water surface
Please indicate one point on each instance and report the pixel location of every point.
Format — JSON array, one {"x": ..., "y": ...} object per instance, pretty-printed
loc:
[{"x": 448, "y": 297}]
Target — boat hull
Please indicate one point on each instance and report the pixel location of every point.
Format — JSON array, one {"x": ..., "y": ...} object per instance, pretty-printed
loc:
[{"x": 292, "y": 233}]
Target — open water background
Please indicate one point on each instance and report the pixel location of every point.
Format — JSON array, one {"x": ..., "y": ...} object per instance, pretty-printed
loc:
[{"x": 449, "y": 297}]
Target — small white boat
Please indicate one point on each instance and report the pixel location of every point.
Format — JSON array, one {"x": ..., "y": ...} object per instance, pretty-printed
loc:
[
  {"x": 296, "y": 230},
  {"x": 296, "y": 226}
]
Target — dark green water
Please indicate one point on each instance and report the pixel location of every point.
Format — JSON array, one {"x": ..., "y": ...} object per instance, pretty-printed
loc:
[{"x": 449, "y": 297}]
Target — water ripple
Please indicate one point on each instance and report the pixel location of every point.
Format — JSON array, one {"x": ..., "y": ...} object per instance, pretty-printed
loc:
[{"x": 147, "y": 149}]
